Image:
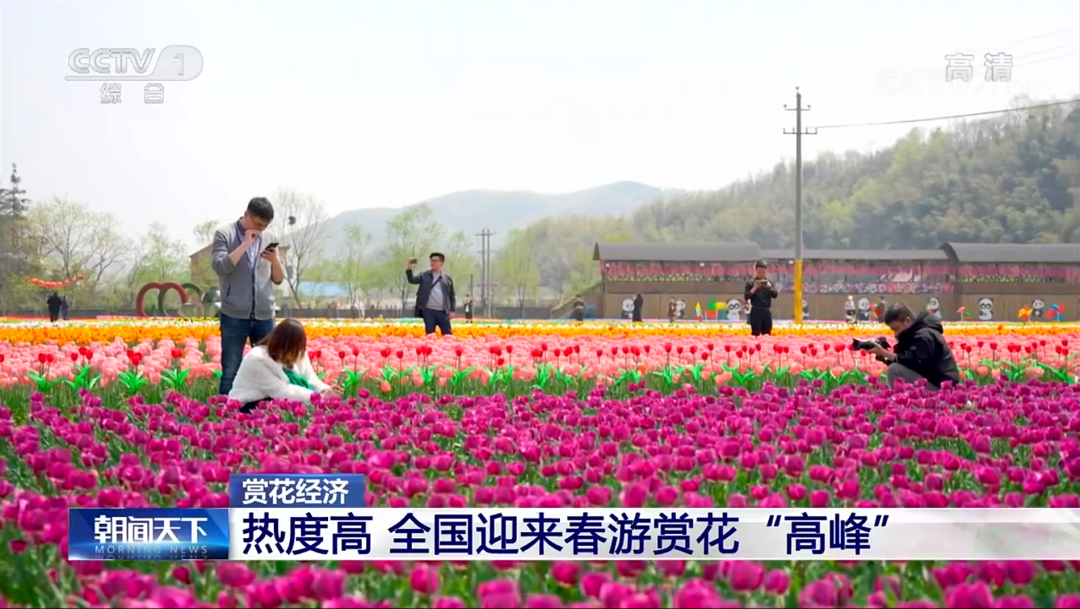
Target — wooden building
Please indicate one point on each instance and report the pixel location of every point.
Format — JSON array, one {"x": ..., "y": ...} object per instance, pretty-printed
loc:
[
  {"x": 920, "y": 278},
  {"x": 686, "y": 272},
  {"x": 992, "y": 282}
]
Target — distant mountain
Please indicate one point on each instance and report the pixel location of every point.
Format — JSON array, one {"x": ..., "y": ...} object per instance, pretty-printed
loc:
[{"x": 474, "y": 210}]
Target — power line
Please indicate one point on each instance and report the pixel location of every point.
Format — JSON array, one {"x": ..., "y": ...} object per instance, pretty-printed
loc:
[
  {"x": 1043, "y": 35},
  {"x": 1052, "y": 57},
  {"x": 952, "y": 116},
  {"x": 1046, "y": 50}
]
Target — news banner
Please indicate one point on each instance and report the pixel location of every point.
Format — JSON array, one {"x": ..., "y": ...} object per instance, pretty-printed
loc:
[{"x": 304, "y": 517}]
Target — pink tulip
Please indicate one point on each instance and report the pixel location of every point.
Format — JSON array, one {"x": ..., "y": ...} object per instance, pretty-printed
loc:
[
  {"x": 565, "y": 573},
  {"x": 424, "y": 580},
  {"x": 777, "y": 582}
]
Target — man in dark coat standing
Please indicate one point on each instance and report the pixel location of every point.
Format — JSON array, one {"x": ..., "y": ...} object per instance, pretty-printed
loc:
[
  {"x": 53, "y": 303},
  {"x": 759, "y": 293},
  {"x": 435, "y": 301},
  {"x": 639, "y": 304},
  {"x": 578, "y": 312}
]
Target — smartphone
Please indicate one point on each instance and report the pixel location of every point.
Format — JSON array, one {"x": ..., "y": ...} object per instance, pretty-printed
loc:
[
  {"x": 272, "y": 246},
  {"x": 412, "y": 260}
]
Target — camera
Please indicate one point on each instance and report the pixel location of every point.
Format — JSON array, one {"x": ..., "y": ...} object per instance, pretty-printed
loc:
[{"x": 860, "y": 344}]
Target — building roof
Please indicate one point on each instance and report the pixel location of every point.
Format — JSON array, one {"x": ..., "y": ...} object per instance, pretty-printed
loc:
[
  {"x": 1038, "y": 253},
  {"x": 856, "y": 254},
  {"x": 201, "y": 250},
  {"x": 677, "y": 252}
]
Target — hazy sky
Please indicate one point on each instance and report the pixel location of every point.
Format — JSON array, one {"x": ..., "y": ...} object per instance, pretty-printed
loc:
[{"x": 386, "y": 103}]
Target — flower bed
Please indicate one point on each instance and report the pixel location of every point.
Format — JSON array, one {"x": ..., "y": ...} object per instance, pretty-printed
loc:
[
  {"x": 563, "y": 420},
  {"x": 135, "y": 330}
]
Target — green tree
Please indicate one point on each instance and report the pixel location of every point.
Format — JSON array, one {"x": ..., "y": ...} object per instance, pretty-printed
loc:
[
  {"x": 204, "y": 231},
  {"x": 18, "y": 263},
  {"x": 355, "y": 273},
  {"x": 515, "y": 269},
  {"x": 73, "y": 240},
  {"x": 409, "y": 234},
  {"x": 302, "y": 219},
  {"x": 461, "y": 257},
  {"x": 155, "y": 258}
]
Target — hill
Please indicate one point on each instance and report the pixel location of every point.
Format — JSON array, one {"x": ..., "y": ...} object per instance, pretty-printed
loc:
[
  {"x": 1014, "y": 178},
  {"x": 474, "y": 210}
]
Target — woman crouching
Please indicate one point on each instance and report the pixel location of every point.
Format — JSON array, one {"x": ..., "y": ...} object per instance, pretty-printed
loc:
[{"x": 278, "y": 367}]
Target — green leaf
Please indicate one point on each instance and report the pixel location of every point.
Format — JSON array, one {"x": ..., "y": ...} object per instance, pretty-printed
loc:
[
  {"x": 628, "y": 377},
  {"x": 461, "y": 375},
  {"x": 43, "y": 384},
  {"x": 132, "y": 380}
]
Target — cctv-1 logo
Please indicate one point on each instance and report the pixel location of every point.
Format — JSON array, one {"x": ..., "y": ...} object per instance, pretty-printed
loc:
[{"x": 174, "y": 63}]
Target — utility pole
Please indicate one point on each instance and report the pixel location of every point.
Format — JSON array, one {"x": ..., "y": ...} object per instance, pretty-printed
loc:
[
  {"x": 485, "y": 270},
  {"x": 798, "y": 133}
]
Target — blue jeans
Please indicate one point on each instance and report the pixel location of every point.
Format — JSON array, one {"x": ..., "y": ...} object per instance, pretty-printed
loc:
[
  {"x": 436, "y": 319},
  {"x": 234, "y": 334}
]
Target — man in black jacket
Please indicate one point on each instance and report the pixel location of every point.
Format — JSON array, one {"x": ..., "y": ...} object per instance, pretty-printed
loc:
[
  {"x": 53, "y": 302},
  {"x": 920, "y": 352},
  {"x": 759, "y": 294},
  {"x": 435, "y": 300},
  {"x": 639, "y": 304}
]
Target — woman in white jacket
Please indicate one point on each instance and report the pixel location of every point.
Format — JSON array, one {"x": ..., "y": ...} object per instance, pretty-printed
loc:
[{"x": 278, "y": 367}]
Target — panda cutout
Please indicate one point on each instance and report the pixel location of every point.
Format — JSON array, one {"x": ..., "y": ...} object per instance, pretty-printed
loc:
[
  {"x": 734, "y": 309},
  {"x": 986, "y": 310},
  {"x": 680, "y": 309},
  {"x": 933, "y": 307},
  {"x": 863, "y": 312},
  {"x": 1038, "y": 310},
  {"x": 805, "y": 309},
  {"x": 628, "y": 308}
]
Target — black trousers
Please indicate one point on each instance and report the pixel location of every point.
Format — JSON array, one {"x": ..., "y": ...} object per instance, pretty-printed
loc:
[
  {"x": 436, "y": 319},
  {"x": 760, "y": 321}
]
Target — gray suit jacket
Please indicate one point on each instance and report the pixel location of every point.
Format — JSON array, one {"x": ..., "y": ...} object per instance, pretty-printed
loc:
[{"x": 246, "y": 292}]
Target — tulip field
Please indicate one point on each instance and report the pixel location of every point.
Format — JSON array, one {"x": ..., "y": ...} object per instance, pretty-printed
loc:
[{"x": 123, "y": 413}]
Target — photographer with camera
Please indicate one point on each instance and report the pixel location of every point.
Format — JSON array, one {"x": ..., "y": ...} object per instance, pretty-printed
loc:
[
  {"x": 759, "y": 294},
  {"x": 920, "y": 352}
]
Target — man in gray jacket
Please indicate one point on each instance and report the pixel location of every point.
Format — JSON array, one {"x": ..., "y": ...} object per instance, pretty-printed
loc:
[{"x": 246, "y": 262}]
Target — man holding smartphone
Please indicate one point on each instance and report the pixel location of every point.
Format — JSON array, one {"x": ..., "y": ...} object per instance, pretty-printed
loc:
[
  {"x": 435, "y": 300},
  {"x": 246, "y": 261},
  {"x": 759, "y": 294}
]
